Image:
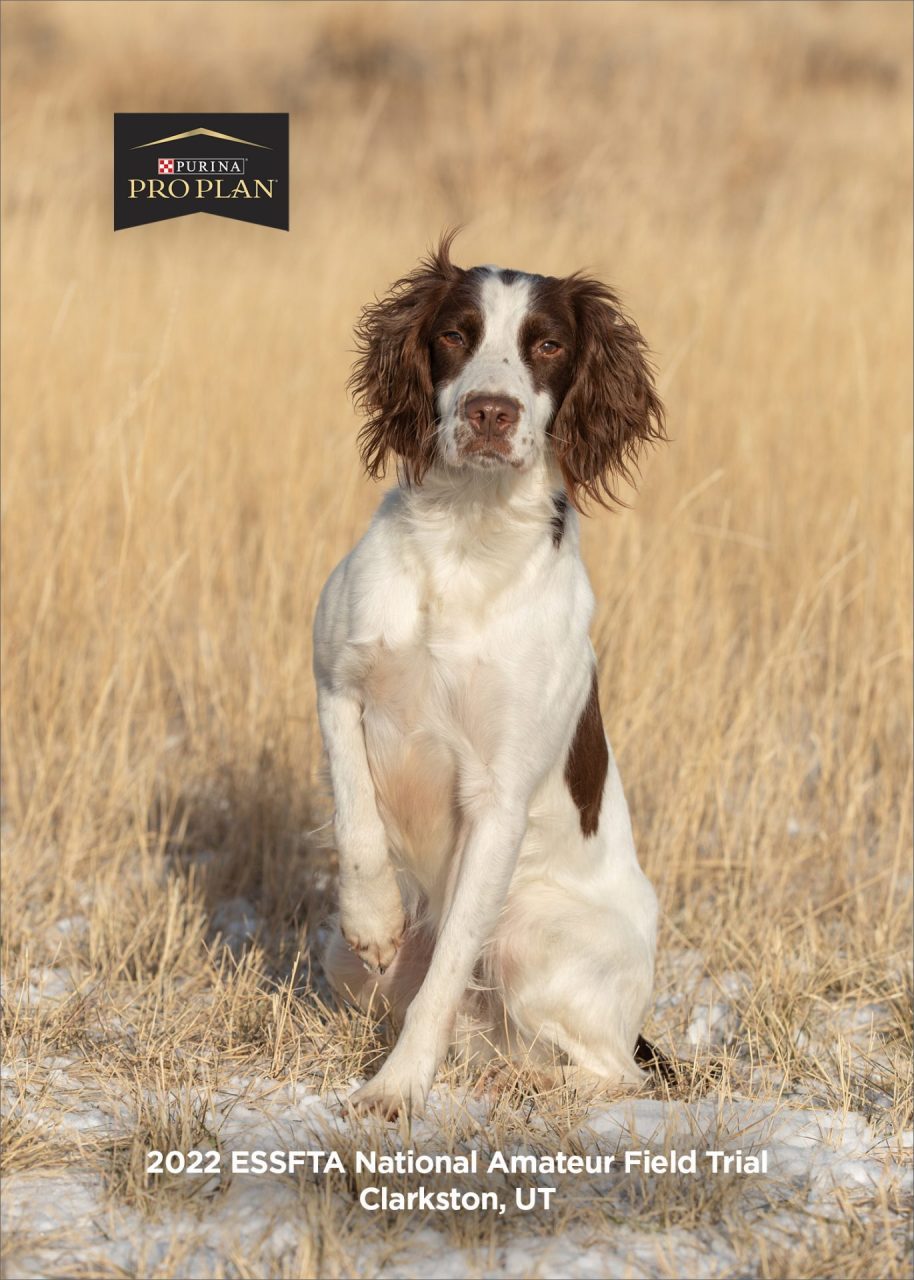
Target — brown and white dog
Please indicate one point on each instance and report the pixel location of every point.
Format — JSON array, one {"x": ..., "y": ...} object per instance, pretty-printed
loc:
[{"x": 490, "y": 894}]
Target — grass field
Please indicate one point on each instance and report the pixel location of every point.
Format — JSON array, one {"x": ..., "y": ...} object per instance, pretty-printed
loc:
[{"x": 179, "y": 476}]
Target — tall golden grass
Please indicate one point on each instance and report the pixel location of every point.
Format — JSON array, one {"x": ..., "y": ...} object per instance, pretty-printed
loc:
[{"x": 180, "y": 470}]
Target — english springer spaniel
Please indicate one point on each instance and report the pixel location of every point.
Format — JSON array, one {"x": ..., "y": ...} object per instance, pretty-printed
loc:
[{"x": 490, "y": 896}]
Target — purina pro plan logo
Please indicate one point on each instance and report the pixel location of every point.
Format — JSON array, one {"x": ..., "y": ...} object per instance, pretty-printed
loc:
[{"x": 235, "y": 165}]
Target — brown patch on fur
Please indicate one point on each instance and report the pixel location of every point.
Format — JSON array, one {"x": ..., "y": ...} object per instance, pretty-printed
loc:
[
  {"x": 609, "y": 408},
  {"x": 392, "y": 379},
  {"x": 461, "y": 311},
  {"x": 550, "y": 318},
  {"x": 588, "y": 762}
]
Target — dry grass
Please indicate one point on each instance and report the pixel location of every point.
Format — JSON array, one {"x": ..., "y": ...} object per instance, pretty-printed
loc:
[{"x": 180, "y": 474}]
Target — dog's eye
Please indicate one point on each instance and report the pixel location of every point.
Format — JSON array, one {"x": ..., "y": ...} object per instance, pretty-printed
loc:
[
  {"x": 549, "y": 348},
  {"x": 452, "y": 338}
]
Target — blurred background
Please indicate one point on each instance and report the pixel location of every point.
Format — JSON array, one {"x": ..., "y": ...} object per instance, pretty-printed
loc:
[{"x": 180, "y": 469}]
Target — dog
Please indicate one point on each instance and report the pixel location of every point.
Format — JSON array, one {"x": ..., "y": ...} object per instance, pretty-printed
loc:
[{"x": 490, "y": 897}]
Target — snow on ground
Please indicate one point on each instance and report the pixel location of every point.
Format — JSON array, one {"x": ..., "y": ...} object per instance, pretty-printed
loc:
[
  {"x": 68, "y": 1217},
  {"x": 63, "y": 1219}
]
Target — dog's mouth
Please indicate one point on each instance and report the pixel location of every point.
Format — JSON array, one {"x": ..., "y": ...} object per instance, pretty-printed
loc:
[
  {"x": 488, "y": 450},
  {"x": 485, "y": 450}
]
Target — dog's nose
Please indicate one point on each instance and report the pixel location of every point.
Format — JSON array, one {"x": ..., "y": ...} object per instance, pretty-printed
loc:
[{"x": 491, "y": 416}]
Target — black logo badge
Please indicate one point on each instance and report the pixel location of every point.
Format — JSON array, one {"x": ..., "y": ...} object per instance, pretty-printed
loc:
[{"x": 235, "y": 165}]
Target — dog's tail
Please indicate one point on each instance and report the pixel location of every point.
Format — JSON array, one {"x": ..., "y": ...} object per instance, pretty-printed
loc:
[{"x": 651, "y": 1059}]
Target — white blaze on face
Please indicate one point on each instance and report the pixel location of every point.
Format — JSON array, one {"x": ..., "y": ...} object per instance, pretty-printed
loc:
[{"x": 497, "y": 367}]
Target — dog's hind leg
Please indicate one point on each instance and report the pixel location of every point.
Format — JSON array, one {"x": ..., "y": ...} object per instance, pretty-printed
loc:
[{"x": 575, "y": 977}]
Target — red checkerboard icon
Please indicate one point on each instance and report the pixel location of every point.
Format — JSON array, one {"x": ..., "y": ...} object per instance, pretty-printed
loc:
[{"x": 166, "y": 166}]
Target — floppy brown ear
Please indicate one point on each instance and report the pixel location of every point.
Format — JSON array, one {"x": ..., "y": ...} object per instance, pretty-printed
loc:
[
  {"x": 391, "y": 381},
  {"x": 611, "y": 410}
]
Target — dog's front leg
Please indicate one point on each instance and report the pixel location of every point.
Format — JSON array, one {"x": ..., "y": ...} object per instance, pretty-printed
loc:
[
  {"x": 486, "y": 867},
  {"x": 371, "y": 908}
]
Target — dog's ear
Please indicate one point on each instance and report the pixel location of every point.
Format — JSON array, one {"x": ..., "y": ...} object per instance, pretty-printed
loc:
[
  {"x": 611, "y": 410},
  {"x": 391, "y": 381}
]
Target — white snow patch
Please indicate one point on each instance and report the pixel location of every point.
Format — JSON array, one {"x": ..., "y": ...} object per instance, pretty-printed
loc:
[{"x": 824, "y": 1147}]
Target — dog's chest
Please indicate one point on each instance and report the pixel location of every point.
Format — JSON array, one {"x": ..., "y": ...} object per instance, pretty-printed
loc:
[{"x": 424, "y": 718}]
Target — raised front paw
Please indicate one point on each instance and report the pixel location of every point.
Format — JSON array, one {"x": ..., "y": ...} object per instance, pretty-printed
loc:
[{"x": 372, "y": 919}]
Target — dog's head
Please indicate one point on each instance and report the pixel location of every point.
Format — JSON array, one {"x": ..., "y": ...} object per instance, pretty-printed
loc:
[{"x": 487, "y": 368}]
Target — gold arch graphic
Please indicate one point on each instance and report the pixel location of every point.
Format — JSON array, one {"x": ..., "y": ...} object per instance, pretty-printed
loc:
[{"x": 210, "y": 133}]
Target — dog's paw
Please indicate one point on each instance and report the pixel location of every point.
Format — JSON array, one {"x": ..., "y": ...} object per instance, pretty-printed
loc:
[
  {"x": 372, "y": 919},
  {"x": 375, "y": 953},
  {"x": 389, "y": 1095}
]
